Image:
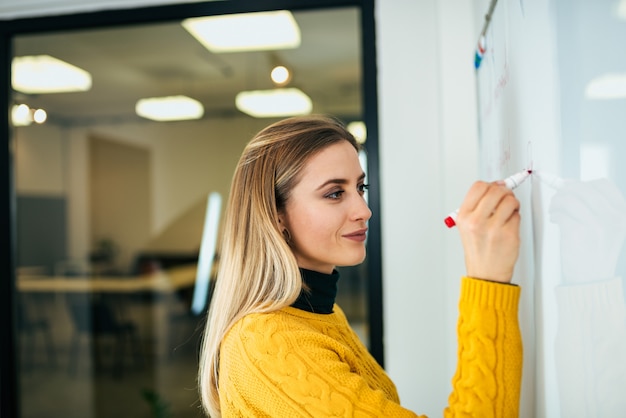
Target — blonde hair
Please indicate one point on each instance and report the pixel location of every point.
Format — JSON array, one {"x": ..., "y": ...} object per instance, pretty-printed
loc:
[{"x": 257, "y": 270}]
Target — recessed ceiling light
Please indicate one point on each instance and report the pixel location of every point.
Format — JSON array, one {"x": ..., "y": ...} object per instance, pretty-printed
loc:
[
  {"x": 245, "y": 31},
  {"x": 171, "y": 108},
  {"x": 23, "y": 115},
  {"x": 621, "y": 9},
  {"x": 274, "y": 103},
  {"x": 358, "y": 130},
  {"x": 40, "y": 116},
  {"x": 20, "y": 115},
  {"x": 607, "y": 86},
  {"x": 38, "y": 74},
  {"x": 280, "y": 75}
]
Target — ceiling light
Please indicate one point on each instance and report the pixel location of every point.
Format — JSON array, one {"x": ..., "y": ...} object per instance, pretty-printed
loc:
[
  {"x": 20, "y": 115},
  {"x": 39, "y": 116},
  {"x": 608, "y": 86},
  {"x": 621, "y": 9},
  {"x": 358, "y": 130},
  {"x": 23, "y": 115},
  {"x": 170, "y": 108},
  {"x": 38, "y": 74},
  {"x": 245, "y": 31},
  {"x": 280, "y": 75},
  {"x": 274, "y": 103}
]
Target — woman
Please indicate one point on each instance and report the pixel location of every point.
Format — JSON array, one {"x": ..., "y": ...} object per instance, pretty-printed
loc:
[{"x": 276, "y": 345}]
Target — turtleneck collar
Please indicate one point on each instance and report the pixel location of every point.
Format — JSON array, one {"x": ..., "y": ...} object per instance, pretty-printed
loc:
[{"x": 321, "y": 293}]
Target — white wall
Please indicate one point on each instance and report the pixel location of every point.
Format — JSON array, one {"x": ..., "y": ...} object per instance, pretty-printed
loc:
[
  {"x": 173, "y": 146},
  {"x": 40, "y": 165},
  {"x": 428, "y": 149},
  {"x": 184, "y": 164}
]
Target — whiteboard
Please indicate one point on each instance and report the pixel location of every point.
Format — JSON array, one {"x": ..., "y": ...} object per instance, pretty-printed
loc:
[{"x": 535, "y": 109}]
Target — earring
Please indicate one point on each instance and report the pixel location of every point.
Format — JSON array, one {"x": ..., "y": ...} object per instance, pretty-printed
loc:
[{"x": 287, "y": 235}]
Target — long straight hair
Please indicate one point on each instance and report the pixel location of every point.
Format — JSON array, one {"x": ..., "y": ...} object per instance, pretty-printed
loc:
[{"x": 257, "y": 270}]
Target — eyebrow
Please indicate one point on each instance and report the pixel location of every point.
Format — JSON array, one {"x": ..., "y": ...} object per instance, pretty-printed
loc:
[{"x": 339, "y": 181}]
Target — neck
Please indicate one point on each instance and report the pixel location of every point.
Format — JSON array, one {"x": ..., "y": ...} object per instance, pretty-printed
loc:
[{"x": 318, "y": 293}]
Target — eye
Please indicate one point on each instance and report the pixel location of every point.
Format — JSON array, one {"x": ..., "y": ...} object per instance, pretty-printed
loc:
[
  {"x": 334, "y": 195},
  {"x": 362, "y": 188}
]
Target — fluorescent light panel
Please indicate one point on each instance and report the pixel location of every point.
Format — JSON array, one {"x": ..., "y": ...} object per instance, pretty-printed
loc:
[
  {"x": 607, "y": 86},
  {"x": 245, "y": 31},
  {"x": 207, "y": 253},
  {"x": 40, "y": 74},
  {"x": 171, "y": 108},
  {"x": 621, "y": 9},
  {"x": 274, "y": 103}
]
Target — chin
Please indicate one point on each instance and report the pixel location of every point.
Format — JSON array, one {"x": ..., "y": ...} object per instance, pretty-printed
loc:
[{"x": 352, "y": 261}]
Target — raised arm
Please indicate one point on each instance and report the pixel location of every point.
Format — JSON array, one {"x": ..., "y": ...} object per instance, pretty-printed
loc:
[{"x": 489, "y": 366}]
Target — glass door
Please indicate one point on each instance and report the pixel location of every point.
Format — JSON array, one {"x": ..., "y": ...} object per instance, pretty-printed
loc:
[{"x": 111, "y": 205}]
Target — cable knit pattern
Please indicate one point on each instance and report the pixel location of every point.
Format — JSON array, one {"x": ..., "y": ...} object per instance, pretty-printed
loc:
[
  {"x": 293, "y": 363},
  {"x": 488, "y": 377}
]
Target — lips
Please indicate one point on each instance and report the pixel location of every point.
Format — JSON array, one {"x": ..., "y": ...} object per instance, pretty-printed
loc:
[{"x": 358, "y": 235}]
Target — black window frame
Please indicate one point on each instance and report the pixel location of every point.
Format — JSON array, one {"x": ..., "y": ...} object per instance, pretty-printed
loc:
[{"x": 9, "y": 355}]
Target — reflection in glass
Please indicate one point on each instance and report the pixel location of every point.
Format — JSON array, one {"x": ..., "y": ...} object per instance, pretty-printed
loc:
[
  {"x": 111, "y": 207},
  {"x": 591, "y": 335},
  {"x": 588, "y": 210}
]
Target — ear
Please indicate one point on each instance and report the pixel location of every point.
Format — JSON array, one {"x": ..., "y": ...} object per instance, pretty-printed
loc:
[{"x": 281, "y": 219}]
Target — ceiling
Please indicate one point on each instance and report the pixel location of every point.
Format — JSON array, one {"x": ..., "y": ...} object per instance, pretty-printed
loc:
[{"x": 132, "y": 62}]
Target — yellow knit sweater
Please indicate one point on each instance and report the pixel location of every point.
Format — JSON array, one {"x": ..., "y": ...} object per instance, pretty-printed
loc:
[{"x": 293, "y": 363}]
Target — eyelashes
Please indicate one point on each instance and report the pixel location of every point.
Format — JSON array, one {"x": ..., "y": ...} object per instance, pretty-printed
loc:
[{"x": 362, "y": 188}]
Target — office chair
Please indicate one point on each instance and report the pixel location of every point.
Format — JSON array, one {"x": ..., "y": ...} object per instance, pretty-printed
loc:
[
  {"x": 29, "y": 326},
  {"x": 94, "y": 318}
]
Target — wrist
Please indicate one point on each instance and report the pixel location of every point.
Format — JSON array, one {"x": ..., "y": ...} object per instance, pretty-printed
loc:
[
  {"x": 496, "y": 278},
  {"x": 492, "y": 280}
]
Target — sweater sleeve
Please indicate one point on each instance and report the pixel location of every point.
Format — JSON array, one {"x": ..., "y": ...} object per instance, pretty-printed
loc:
[{"x": 489, "y": 366}]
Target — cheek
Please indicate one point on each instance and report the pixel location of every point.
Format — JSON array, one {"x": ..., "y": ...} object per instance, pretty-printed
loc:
[
  {"x": 308, "y": 222},
  {"x": 304, "y": 221}
]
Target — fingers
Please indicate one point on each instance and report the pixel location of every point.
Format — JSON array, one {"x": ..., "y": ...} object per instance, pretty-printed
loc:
[
  {"x": 489, "y": 223},
  {"x": 489, "y": 202},
  {"x": 474, "y": 194},
  {"x": 507, "y": 210}
]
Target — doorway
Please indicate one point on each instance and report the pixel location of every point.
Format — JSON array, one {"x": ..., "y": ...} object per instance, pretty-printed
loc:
[{"x": 184, "y": 160}]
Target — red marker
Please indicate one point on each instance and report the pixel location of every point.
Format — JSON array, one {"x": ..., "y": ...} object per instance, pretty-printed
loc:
[{"x": 510, "y": 182}]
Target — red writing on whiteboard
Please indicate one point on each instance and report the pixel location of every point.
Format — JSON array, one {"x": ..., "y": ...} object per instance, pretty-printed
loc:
[
  {"x": 503, "y": 80},
  {"x": 505, "y": 157}
]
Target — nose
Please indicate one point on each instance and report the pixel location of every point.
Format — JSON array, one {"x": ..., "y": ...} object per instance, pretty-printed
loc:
[{"x": 361, "y": 211}]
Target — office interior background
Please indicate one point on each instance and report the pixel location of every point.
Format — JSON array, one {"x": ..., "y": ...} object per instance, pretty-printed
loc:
[{"x": 106, "y": 197}]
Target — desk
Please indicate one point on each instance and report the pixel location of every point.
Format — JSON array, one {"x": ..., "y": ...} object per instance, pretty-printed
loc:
[{"x": 159, "y": 282}]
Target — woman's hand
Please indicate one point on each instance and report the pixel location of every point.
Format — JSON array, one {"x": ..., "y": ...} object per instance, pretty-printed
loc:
[{"x": 488, "y": 222}]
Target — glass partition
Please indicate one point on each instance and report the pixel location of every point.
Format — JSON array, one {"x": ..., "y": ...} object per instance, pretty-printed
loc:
[{"x": 111, "y": 207}]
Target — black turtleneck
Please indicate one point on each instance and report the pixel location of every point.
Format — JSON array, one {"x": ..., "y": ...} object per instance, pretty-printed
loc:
[{"x": 321, "y": 293}]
